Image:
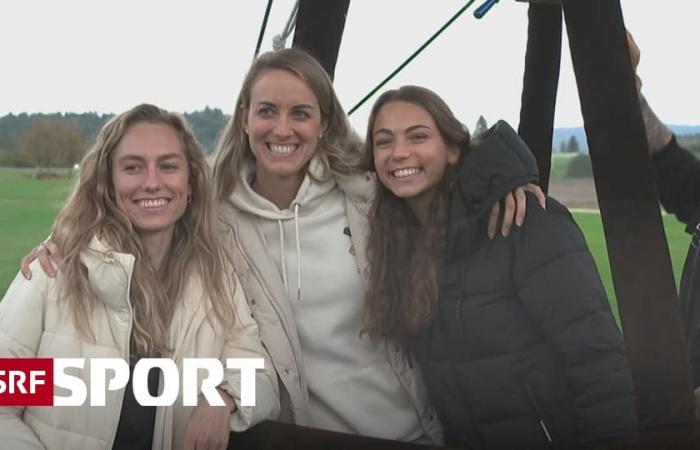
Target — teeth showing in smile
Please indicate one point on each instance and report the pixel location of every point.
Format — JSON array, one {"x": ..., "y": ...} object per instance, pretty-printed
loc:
[
  {"x": 153, "y": 204},
  {"x": 408, "y": 172},
  {"x": 283, "y": 149}
]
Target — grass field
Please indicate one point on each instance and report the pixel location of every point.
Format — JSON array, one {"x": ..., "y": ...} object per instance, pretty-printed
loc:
[
  {"x": 592, "y": 227},
  {"x": 560, "y": 164},
  {"x": 28, "y": 207}
]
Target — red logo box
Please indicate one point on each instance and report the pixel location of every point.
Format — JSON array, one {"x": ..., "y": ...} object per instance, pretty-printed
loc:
[{"x": 26, "y": 381}]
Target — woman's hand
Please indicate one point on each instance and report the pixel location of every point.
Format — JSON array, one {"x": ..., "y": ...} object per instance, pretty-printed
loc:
[
  {"x": 47, "y": 253},
  {"x": 635, "y": 56},
  {"x": 209, "y": 426},
  {"x": 514, "y": 209}
]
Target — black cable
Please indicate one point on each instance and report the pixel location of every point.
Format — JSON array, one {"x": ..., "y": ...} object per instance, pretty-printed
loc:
[
  {"x": 412, "y": 57},
  {"x": 262, "y": 28}
]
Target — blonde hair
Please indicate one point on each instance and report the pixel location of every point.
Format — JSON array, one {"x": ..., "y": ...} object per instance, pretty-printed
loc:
[
  {"x": 195, "y": 250},
  {"x": 340, "y": 149}
]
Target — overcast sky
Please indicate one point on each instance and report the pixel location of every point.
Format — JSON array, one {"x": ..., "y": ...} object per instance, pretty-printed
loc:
[{"x": 106, "y": 56}]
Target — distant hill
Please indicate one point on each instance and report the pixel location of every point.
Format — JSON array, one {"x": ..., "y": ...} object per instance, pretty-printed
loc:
[
  {"x": 562, "y": 135},
  {"x": 683, "y": 130}
]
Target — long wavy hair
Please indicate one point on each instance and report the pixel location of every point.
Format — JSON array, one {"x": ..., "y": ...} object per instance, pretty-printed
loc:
[
  {"x": 340, "y": 149},
  {"x": 404, "y": 254},
  {"x": 195, "y": 249}
]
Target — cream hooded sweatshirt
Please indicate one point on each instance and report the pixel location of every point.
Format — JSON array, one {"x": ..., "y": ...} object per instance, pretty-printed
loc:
[{"x": 352, "y": 387}]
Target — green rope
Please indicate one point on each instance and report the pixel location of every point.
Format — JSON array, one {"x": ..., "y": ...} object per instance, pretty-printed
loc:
[
  {"x": 262, "y": 29},
  {"x": 412, "y": 57}
]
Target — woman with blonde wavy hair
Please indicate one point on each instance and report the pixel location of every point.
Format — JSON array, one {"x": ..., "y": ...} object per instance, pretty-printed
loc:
[{"x": 143, "y": 275}]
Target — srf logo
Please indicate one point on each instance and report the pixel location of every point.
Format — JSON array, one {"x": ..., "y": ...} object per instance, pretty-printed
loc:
[
  {"x": 31, "y": 381},
  {"x": 26, "y": 381}
]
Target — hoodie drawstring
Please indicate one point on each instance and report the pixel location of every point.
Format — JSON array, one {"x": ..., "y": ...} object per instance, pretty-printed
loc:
[
  {"x": 296, "y": 233},
  {"x": 298, "y": 245},
  {"x": 284, "y": 261}
]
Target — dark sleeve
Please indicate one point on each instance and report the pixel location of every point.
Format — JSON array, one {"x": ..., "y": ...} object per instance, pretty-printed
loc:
[
  {"x": 559, "y": 285},
  {"x": 678, "y": 180}
]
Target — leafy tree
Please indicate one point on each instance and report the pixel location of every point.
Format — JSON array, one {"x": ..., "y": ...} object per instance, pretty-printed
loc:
[
  {"x": 51, "y": 142},
  {"x": 572, "y": 145},
  {"x": 579, "y": 167},
  {"x": 481, "y": 127},
  {"x": 207, "y": 124}
]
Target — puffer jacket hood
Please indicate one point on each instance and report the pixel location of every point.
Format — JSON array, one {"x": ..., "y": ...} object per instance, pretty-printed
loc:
[
  {"x": 498, "y": 164},
  {"x": 502, "y": 163}
]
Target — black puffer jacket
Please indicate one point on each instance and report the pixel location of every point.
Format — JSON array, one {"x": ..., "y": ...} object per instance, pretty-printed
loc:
[{"x": 523, "y": 352}]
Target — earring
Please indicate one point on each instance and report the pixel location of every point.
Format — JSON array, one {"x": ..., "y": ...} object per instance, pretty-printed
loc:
[
  {"x": 189, "y": 198},
  {"x": 246, "y": 130},
  {"x": 320, "y": 135}
]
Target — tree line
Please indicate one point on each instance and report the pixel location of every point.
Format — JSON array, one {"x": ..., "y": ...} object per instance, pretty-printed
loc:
[{"x": 45, "y": 141}]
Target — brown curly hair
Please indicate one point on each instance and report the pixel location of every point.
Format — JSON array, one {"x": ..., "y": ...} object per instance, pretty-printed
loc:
[{"x": 404, "y": 254}]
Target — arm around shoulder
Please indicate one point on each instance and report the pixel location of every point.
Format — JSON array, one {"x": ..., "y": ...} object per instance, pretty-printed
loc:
[{"x": 243, "y": 341}]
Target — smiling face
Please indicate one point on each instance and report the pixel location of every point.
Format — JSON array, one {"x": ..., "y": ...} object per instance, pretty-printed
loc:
[
  {"x": 284, "y": 122},
  {"x": 151, "y": 177},
  {"x": 410, "y": 154}
]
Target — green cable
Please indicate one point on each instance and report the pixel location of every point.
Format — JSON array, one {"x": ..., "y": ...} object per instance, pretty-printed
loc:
[
  {"x": 262, "y": 29},
  {"x": 412, "y": 57}
]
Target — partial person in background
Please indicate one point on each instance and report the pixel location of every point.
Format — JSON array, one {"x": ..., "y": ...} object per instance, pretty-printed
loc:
[
  {"x": 515, "y": 336},
  {"x": 678, "y": 181},
  {"x": 143, "y": 275}
]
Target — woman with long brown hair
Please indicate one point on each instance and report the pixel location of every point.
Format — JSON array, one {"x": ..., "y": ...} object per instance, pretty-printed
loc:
[
  {"x": 515, "y": 336},
  {"x": 143, "y": 275}
]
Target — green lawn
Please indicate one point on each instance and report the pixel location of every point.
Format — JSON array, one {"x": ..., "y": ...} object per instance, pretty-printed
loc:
[{"x": 28, "y": 208}]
